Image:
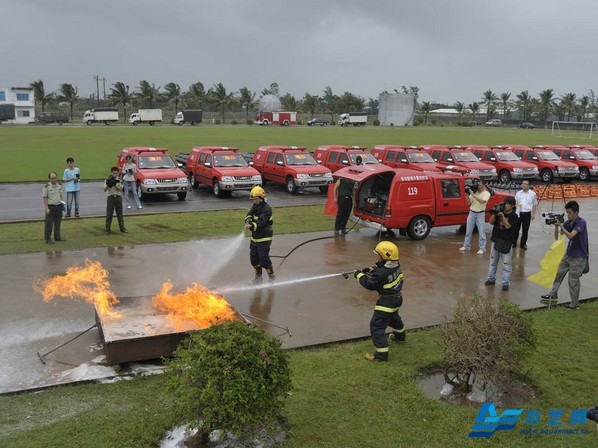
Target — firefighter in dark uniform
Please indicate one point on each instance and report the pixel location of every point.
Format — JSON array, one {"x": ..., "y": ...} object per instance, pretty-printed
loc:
[
  {"x": 259, "y": 222},
  {"x": 387, "y": 279}
]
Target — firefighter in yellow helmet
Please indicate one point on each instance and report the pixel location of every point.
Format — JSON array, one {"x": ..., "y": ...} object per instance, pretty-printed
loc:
[
  {"x": 386, "y": 278},
  {"x": 259, "y": 222}
]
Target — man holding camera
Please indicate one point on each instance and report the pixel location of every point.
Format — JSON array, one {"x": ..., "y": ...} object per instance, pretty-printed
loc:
[
  {"x": 113, "y": 186},
  {"x": 575, "y": 259},
  {"x": 477, "y": 197},
  {"x": 504, "y": 222},
  {"x": 71, "y": 178}
]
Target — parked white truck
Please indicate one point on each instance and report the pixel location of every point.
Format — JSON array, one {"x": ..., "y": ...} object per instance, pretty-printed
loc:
[
  {"x": 151, "y": 116},
  {"x": 191, "y": 116},
  {"x": 106, "y": 115},
  {"x": 354, "y": 118}
]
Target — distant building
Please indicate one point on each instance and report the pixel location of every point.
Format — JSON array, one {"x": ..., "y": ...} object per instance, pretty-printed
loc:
[
  {"x": 24, "y": 100},
  {"x": 396, "y": 109}
]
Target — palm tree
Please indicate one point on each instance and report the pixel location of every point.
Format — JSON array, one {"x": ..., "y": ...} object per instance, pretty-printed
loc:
[
  {"x": 460, "y": 108},
  {"x": 546, "y": 104},
  {"x": 288, "y": 102},
  {"x": 568, "y": 103},
  {"x": 489, "y": 101},
  {"x": 174, "y": 95},
  {"x": 474, "y": 108},
  {"x": 246, "y": 99},
  {"x": 148, "y": 92},
  {"x": 218, "y": 95},
  {"x": 40, "y": 93},
  {"x": 68, "y": 93},
  {"x": 584, "y": 104},
  {"x": 310, "y": 103},
  {"x": 524, "y": 104},
  {"x": 425, "y": 109},
  {"x": 506, "y": 105},
  {"x": 119, "y": 94},
  {"x": 196, "y": 94},
  {"x": 272, "y": 90}
]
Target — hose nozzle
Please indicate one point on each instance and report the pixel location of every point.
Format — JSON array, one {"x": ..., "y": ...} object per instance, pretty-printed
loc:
[{"x": 346, "y": 274}]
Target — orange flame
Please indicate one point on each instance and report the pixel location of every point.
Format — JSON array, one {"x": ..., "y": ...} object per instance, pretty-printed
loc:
[
  {"x": 89, "y": 282},
  {"x": 197, "y": 304}
]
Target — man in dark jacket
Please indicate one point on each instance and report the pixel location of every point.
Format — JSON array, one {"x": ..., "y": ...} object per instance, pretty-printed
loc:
[
  {"x": 259, "y": 222},
  {"x": 386, "y": 278},
  {"x": 505, "y": 224}
]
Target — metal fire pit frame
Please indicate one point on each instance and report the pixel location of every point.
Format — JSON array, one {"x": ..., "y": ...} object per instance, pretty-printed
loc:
[{"x": 139, "y": 345}]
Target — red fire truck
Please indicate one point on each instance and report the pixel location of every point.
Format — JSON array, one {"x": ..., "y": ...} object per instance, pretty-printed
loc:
[{"x": 281, "y": 118}]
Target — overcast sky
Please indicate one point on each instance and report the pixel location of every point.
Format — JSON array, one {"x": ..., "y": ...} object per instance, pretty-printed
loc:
[{"x": 453, "y": 50}]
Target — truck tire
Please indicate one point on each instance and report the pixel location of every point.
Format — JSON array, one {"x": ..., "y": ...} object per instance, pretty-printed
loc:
[
  {"x": 182, "y": 123},
  {"x": 140, "y": 192},
  {"x": 547, "y": 176},
  {"x": 151, "y": 123},
  {"x": 216, "y": 189},
  {"x": 88, "y": 123},
  {"x": 134, "y": 123},
  {"x": 286, "y": 123},
  {"x": 265, "y": 123},
  {"x": 584, "y": 174},
  {"x": 291, "y": 187},
  {"x": 181, "y": 195},
  {"x": 193, "y": 123},
  {"x": 60, "y": 123},
  {"x": 192, "y": 181},
  {"x": 107, "y": 123},
  {"x": 505, "y": 176},
  {"x": 419, "y": 227}
]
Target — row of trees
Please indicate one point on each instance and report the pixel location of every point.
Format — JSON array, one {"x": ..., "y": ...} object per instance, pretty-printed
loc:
[
  {"x": 218, "y": 98},
  {"x": 566, "y": 107}
]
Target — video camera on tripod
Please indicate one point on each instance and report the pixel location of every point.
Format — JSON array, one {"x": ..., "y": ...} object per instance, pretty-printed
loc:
[{"x": 553, "y": 218}]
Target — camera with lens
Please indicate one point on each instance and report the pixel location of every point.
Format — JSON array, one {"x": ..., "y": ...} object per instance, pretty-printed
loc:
[
  {"x": 111, "y": 182},
  {"x": 498, "y": 208},
  {"x": 553, "y": 218},
  {"x": 472, "y": 188},
  {"x": 129, "y": 171},
  {"x": 78, "y": 176}
]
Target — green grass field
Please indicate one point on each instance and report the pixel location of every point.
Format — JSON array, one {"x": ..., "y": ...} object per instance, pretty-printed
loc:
[{"x": 30, "y": 152}]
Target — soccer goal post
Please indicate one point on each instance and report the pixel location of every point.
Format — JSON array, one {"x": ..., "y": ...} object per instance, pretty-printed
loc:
[{"x": 571, "y": 128}]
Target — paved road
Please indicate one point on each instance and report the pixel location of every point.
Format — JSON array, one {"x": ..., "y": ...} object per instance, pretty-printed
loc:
[{"x": 23, "y": 202}]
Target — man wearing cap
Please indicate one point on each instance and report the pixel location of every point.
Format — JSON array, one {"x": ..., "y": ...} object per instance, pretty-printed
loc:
[
  {"x": 259, "y": 221},
  {"x": 504, "y": 224}
]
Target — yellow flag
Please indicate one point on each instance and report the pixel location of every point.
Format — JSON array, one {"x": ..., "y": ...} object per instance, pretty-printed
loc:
[{"x": 549, "y": 264}]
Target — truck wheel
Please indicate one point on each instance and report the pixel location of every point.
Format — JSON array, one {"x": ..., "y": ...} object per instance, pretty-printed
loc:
[
  {"x": 151, "y": 123},
  {"x": 60, "y": 123},
  {"x": 547, "y": 176},
  {"x": 286, "y": 123},
  {"x": 134, "y": 123},
  {"x": 265, "y": 123},
  {"x": 584, "y": 174},
  {"x": 140, "y": 192},
  {"x": 180, "y": 123},
  {"x": 88, "y": 123},
  {"x": 419, "y": 227},
  {"x": 182, "y": 195},
  {"x": 107, "y": 123},
  {"x": 291, "y": 187},
  {"x": 193, "y": 123},
  {"x": 505, "y": 176},
  {"x": 193, "y": 181},
  {"x": 216, "y": 189}
]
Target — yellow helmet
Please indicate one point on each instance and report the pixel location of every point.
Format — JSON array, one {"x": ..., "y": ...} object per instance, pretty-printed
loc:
[
  {"x": 387, "y": 250},
  {"x": 257, "y": 192}
]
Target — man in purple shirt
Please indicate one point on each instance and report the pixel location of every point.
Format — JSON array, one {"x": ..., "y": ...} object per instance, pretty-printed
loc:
[{"x": 575, "y": 258}]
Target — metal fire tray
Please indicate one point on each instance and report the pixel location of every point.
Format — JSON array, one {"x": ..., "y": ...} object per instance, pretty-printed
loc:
[{"x": 143, "y": 332}]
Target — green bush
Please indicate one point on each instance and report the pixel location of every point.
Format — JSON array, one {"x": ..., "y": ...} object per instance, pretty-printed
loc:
[
  {"x": 217, "y": 121},
  {"x": 234, "y": 122},
  {"x": 418, "y": 121},
  {"x": 249, "y": 122},
  {"x": 299, "y": 122},
  {"x": 231, "y": 377},
  {"x": 465, "y": 123},
  {"x": 376, "y": 122}
]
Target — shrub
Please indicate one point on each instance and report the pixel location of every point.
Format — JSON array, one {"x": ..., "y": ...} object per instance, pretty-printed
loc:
[
  {"x": 376, "y": 122},
  {"x": 486, "y": 342},
  {"x": 231, "y": 377},
  {"x": 249, "y": 122},
  {"x": 299, "y": 121},
  {"x": 465, "y": 123},
  {"x": 418, "y": 121},
  {"x": 216, "y": 120},
  {"x": 234, "y": 122}
]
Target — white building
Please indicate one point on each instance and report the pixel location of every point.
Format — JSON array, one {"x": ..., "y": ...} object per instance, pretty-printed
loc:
[
  {"x": 396, "y": 109},
  {"x": 24, "y": 100}
]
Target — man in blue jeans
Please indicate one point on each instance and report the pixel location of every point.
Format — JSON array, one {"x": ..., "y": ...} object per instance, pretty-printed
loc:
[
  {"x": 476, "y": 218},
  {"x": 504, "y": 226}
]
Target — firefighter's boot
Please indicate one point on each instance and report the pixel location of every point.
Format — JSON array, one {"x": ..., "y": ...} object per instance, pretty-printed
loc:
[
  {"x": 398, "y": 335},
  {"x": 271, "y": 276},
  {"x": 257, "y": 280},
  {"x": 373, "y": 358}
]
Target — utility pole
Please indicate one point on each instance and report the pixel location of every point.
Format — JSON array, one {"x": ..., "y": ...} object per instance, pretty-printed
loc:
[
  {"x": 104, "y": 83},
  {"x": 97, "y": 78}
]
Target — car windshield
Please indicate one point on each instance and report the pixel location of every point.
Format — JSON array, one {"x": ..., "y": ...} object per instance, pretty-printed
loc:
[
  {"x": 366, "y": 157},
  {"x": 229, "y": 160},
  {"x": 419, "y": 157},
  {"x": 155, "y": 162},
  {"x": 506, "y": 156},
  {"x": 547, "y": 155},
  {"x": 465, "y": 156},
  {"x": 584, "y": 154},
  {"x": 299, "y": 159}
]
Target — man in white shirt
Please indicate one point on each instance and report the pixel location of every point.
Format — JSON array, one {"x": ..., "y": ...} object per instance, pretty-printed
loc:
[{"x": 527, "y": 202}]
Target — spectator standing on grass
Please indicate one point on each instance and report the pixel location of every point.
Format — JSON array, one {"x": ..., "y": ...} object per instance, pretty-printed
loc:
[
  {"x": 52, "y": 195},
  {"x": 114, "y": 201},
  {"x": 527, "y": 202},
  {"x": 128, "y": 175},
  {"x": 71, "y": 178}
]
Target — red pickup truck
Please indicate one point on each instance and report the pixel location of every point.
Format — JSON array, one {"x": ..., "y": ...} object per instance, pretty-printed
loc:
[
  {"x": 507, "y": 164},
  {"x": 291, "y": 166},
  {"x": 462, "y": 158},
  {"x": 156, "y": 173},
  {"x": 410, "y": 201},
  {"x": 336, "y": 157},
  {"x": 583, "y": 158},
  {"x": 397, "y": 156},
  {"x": 549, "y": 164},
  {"x": 222, "y": 168}
]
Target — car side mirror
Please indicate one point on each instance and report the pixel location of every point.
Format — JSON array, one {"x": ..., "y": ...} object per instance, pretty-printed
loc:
[
  {"x": 449, "y": 160},
  {"x": 535, "y": 158},
  {"x": 250, "y": 163},
  {"x": 319, "y": 162},
  {"x": 345, "y": 162},
  {"x": 180, "y": 165},
  {"x": 572, "y": 158},
  {"x": 280, "y": 163},
  {"x": 208, "y": 164},
  {"x": 493, "y": 159}
]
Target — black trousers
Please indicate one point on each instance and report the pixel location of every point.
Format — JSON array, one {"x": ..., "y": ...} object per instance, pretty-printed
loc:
[
  {"x": 259, "y": 255},
  {"x": 114, "y": 203},
  {"x": 345, "y": 205},
  {"x": 382, "y": 319},
  {"x": 525, "y": 219},
  {"x": 53, "y": 220}
]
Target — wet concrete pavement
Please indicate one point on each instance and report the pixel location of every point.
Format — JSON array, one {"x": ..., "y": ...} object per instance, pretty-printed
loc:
[{"x": 316, "y": 312}]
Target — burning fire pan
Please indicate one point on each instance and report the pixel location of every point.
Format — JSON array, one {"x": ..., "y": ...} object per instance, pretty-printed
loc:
[{"x": 143, "y": 332}]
